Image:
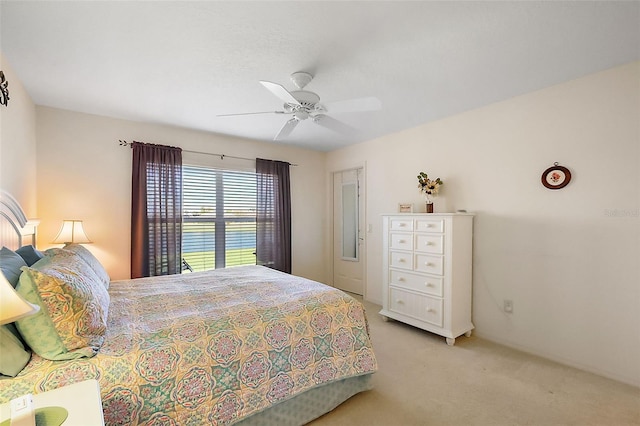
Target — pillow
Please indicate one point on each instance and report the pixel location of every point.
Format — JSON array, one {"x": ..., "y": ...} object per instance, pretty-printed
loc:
[
  {"x": 73, "y": 308},
  {"x": 10, "y": 263},
  {"x": 88, "y": 257},
  {"x": 30, "y": 254},
  {"x": 14, "y": 356}
]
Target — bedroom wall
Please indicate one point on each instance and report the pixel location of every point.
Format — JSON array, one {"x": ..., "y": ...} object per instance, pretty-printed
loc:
[
  {"x": 83, "y": 173},
  {"x": 18, "y": 142},
  {"x": 568, "y": 258}
]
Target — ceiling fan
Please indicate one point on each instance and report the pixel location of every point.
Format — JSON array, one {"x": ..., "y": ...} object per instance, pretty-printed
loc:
[{"x": 302, "y": 105}]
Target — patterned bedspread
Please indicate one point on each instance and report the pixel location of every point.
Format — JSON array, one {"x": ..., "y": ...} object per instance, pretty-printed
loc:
[{"x": 213, "y": 347}]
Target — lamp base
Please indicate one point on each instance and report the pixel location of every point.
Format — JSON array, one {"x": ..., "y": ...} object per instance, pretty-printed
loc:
[{"x": 51, "y": 416}]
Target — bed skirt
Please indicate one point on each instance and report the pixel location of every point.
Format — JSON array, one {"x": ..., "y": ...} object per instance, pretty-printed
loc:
[{"x": 310, "y": 405}]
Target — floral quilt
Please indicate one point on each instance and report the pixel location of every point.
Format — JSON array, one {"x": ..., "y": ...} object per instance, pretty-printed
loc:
[{"x": 212, "y": 347}]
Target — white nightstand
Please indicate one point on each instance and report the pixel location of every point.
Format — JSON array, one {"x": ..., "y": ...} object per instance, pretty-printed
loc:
[{"x": 82, "y": 401}]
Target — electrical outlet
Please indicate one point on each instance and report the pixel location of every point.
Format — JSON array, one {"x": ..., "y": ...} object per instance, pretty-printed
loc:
[
  {"x": 22, "y": 411},
  {"x": 508, "y": 306}
]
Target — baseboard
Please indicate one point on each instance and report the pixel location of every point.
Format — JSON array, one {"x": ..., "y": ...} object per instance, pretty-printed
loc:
[{"x": 560, "y": 360}]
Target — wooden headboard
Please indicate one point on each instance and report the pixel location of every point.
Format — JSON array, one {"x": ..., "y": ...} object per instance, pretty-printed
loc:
[{"x": 15, "y": 229}]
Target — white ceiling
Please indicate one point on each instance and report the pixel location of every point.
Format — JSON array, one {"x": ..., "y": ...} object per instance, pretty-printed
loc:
[{"x": 183, "y": 63}]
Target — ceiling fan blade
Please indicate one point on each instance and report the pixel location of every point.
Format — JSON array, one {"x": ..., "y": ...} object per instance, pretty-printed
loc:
[
  {"x": 280, "y": 92},
  {"x": 286, "y": 129},
  {"x": 354, "y": 105},
  {"x": 252, "y": 113},
  {"x": 333, "y": 124}
]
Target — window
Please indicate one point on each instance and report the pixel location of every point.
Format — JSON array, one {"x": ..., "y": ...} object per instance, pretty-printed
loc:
[{"x": 219, "y": 217}]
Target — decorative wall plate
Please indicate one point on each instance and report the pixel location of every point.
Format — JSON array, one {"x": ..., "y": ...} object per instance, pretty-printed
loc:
[{"x": 556, "y": 177}]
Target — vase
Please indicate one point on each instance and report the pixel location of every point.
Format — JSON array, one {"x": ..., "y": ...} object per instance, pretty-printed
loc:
[{"x": 429, "y": 207}]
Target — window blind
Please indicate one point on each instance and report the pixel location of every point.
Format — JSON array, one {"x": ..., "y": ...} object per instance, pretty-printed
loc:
[{"x": 219, "y": 215}]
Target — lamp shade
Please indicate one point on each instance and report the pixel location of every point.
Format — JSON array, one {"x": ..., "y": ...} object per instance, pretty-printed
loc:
[
  {"x": 12, "y": 305},
  {"x": 72, "y": 231}
]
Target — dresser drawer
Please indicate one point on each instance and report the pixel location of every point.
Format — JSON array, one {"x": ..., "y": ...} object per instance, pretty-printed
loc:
[
  {"x": 401, "y": 241},
  {"x": 421, "y": 283},
  {"x": 429, "y": 225},
  {"x": 429, "y": 243},
  {"x": 401, "y": 224},
  {"x": 424, "y": 308},
  {"x": 429, "y": 264},
  {"x": 398, "y": 259}
]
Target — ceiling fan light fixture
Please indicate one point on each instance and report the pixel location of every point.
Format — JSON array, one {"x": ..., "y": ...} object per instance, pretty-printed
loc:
[{"x": 301, "y": 115}]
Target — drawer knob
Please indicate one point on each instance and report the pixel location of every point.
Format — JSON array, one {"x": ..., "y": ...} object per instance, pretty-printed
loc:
[
  {"x": 428, "y": 263},
  {"x": 431, "y": 310},
  {"x": 401, "y": 225},
  {"x": 429, "y": 285},
  {"x": 401, "y": 279},
  {"x": 428, "y": 243},
  {"x": 401, "y": 260},
  {"x": 400, "y": 302},
  {"x": 401, "y": 241}
]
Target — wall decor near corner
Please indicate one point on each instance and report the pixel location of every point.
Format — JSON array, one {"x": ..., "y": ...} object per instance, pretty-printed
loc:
[
  {"x": 4, "y": 90},
  {"x": 556, "y": 177}
]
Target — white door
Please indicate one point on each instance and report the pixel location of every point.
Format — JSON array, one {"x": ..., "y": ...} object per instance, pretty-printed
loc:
[{"x": 348, "y": 219}]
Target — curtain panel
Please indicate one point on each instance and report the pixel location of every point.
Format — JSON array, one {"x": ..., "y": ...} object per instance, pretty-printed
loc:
[
  {"x": 273, "y": 215},
  {"x": 156, "y": 210}
]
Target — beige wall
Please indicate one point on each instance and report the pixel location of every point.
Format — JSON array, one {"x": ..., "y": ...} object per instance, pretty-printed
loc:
[
  {"x": 18, "y": 143},
  {"x": 83, "y": 173},
  {"x": 567, "y": 258}
]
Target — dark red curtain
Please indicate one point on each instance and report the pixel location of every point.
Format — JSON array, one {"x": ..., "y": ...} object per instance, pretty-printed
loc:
[
  {"x": 273, "y": 216},
  {"x": 156, "y": 210}
]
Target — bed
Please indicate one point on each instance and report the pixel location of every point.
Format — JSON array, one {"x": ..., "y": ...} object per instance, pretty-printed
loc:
[{"x": 243, "y": 345}]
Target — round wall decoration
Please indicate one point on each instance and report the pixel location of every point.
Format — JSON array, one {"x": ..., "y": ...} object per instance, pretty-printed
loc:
[{"x": 556, "y": 177}]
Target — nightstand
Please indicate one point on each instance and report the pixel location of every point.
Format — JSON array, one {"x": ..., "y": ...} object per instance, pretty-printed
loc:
[{"x": 82, "y": 401}]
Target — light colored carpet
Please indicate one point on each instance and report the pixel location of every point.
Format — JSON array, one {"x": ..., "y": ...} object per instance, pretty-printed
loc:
[{"x": 422, "y": 381}]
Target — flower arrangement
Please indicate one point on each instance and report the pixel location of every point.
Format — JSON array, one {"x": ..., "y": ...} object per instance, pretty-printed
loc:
[{"x": 428, "y": 186}]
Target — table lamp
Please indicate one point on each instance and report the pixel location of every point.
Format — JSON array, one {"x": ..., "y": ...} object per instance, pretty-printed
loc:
[
  {"x": 72, "y": 231},
  {"x": 12, "y": 305}
]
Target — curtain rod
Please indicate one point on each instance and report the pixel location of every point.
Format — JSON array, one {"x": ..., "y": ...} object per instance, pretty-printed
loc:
[{"x": 222, "y": 156}]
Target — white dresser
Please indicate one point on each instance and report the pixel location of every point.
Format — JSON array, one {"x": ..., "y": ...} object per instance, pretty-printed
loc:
[{"x": 427, "y": 272}]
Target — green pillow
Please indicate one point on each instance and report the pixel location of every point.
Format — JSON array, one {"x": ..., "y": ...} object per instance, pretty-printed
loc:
[
  {"x": 10, "y": 263},
  {"x": 14, "y": 356},
  {"x": 73, "y": 308}
]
